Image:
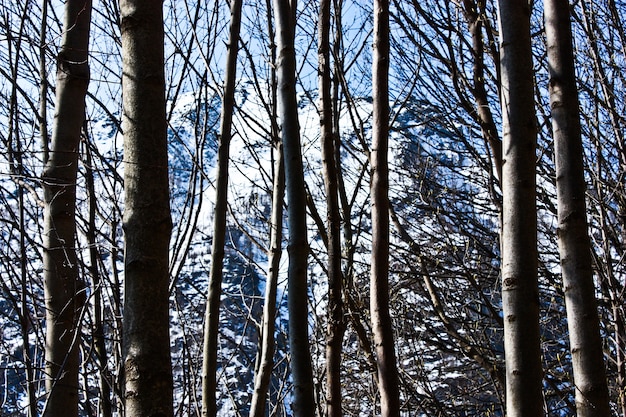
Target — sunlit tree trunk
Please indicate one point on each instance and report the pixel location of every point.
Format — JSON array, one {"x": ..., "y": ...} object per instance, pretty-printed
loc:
[
  {"x": 592, "y": 397},
  {"x": 301, "y": 368},
  {"x": 335, "y": 326},
  {"x": 382, "y": 325},
  {"x": 520, "y": 293},
  {"x": 212, "y": 314},
  {"x": 64, "y": 292},
  {"x": 147, "y": 220},
  {"x": 265, "y": 361}
]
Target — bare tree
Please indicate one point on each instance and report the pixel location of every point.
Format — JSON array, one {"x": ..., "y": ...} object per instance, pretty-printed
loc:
[
  {"x": 265, "y": 358},
  {"x": 64, "y": 292},
  {"x": 602, "y": 28},
  {"x": 592, "y": 396},
  {"x": 266, "y": 362},
  {"x": 474, "y": 12},
  {"x": 211, "y": 323},
  {"x": 520, "y": 292},
  {"x": 147, "y": 219},
  {"x": 382, "y": 326},
  {"x": 298, "y": 249},
  {"x": 335, "y": 322},
  {"x": 98, "y": 331}
]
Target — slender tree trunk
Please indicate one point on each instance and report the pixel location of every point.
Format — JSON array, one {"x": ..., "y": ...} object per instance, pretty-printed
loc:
[
  {"x": 212, "y": 314},
  {"x": 63, "y": 289},
  {"x": 16, "y": 168},
  {"x": 382, "y": 326},
  {"x": 335, "y": 326},
  {"x": 592, "y": 397},
  {"x": 474, "y": 11},
  {"x": 520, "y": 293},
  {"x": 43, "y": 88},
  {"x": 25, "y": 312},
  {"x": 301, "y": 368},
  {"x": 104, "y": 399},
  {"x": 607, "y": 87},
  {"x": 265, "y": 361},
  {"x": 147, "y": 220}
]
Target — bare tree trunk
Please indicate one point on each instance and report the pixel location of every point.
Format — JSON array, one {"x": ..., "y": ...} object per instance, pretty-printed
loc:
[
  {"x": 43, "y": 88},
  {"x": 63, "y": 289},
  {"x": 212, "y": 314},
  {"x": 298, "y": 250},
  {"x": 605, "y": 84},
  {"x": 16, "y": 168},
  {"x": 104, "y": 400},
  {"x": 25, "y": 314},
  {"x": 474, "y": 10},
  {"x": 265, "y": 361},
  {"x": 520, "y": 293},
  {"x": 592, "y": 396},
  {"x": 147, "y": 220},
  {"x": 335, "y": 326},
  {"x": 382, "y": 326}
]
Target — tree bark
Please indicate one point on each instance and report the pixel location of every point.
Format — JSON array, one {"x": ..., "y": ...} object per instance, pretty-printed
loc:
[
  {"x": 211, "y": 319},
  {"x": 297, "y": 301},
  {"x": 265, "y": 363},
  {"x": 64, "y": 292},
  {"x": 592, "y": 397},
  {"x": 603, "y": 82},
  {"x": 335, "y": 327},
  {"x": 382, "y": 325},
  {"x": 98, "y": 332},
  {"x": 147, "y": 220},
  {"x": 474, "y": 12},
  {"x": 520, "y": 293}
]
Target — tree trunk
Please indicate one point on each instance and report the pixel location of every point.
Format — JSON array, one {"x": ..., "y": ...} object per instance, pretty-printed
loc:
[
  {"x": 98, "y": 332},
  {"x": 64, "y": 292},
  {"x": 212, "y": 314},
  {"x": 43, "y": 88},
  {"x": 520, "y": 293},
  {"x": 592, "y": 397},
  {"x": 265, "y": 361},
  {"x": 147, "y": 220},
  {"x": 335, "y": 326},
  {"x": 382, "y": 326},
  {"x": 301, "y": 368},
  {"x": 604, "y": 83},
  {"x": 473, "y": 11}
]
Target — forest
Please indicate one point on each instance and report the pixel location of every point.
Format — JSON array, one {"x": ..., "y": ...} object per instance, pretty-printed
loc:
[{"x": 312, "y": 208}]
